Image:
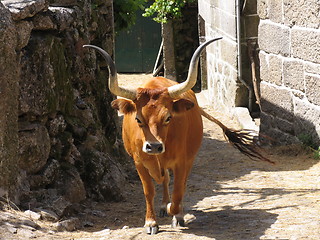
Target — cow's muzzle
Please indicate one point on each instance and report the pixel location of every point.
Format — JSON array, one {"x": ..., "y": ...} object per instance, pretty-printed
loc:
[{"x": 153, "y": 148}]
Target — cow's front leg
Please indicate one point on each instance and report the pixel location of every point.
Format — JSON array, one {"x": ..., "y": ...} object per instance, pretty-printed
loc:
[
  {"x": 149, "y": 192},
  {"x": 165, "y": 194},
  {"x": 175, "y": 207}
]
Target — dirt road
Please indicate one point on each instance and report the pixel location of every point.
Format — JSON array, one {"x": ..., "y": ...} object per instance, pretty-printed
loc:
[{"x": 228, "y": 197}]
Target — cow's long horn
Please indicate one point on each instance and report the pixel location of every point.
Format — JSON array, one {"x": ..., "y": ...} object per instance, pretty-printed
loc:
[
  {"x": 113, "y": 79},
  {"x": 176, "y": 90}
]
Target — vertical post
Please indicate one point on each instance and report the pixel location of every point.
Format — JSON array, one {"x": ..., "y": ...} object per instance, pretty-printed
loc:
[
  {"x": 238, "y": 24},
  {"x": 168, "y": 51},
  {"x": 203, "y": 56},
  {"x": 9, "y": 81}
]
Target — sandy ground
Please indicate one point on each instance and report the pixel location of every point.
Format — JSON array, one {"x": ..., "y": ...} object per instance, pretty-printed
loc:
[{"x": 228, "y": 197}]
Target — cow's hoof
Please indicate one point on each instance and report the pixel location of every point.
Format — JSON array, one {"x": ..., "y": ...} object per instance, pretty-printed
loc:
[
  {"x": 152, "y": 230},
  {"x": 177, "y": 222}
]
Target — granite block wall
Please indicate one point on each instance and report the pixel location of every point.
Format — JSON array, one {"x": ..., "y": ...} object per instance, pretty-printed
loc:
[
  {"x": 219, "y": 19},
  {"x": 289, "y": 41}
]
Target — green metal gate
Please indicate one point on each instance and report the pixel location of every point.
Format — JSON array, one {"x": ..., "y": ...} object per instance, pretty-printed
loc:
[{"x": 137, "y": 48}]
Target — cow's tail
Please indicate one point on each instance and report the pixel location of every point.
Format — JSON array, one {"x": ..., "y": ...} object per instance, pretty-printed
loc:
[{"x": 240, "y": 139}]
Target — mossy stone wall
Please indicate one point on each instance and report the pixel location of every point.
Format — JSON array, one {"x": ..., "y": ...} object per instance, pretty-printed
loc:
[{"x": 60, "y": 143}]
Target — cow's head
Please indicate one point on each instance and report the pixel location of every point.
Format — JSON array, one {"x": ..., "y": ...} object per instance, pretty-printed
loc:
[{"x": 154, "y": 109}]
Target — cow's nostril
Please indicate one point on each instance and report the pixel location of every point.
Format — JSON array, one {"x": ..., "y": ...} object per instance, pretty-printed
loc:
[
  {"x": 148, "y": 147},
  {"x": 160, "y": 148}
]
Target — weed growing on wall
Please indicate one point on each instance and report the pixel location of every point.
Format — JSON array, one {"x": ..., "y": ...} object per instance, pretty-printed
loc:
[{"x": 307, "y": 141}]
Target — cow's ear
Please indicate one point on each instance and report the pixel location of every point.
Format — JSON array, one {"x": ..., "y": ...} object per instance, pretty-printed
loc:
[
  {"x": 123, "y": 105},
  {"x": 182, "y": 105}
]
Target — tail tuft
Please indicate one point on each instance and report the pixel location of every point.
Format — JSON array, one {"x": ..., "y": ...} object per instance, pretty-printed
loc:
[{"x": 243, "y": 140}]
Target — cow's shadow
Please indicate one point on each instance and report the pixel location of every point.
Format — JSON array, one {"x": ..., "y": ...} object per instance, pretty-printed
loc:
[
  {"x": 231, "y": 223},
  {"x": 217, "y": 161}
]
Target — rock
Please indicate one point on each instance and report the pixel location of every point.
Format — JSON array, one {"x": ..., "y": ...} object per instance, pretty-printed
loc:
[
  {"x": 51, "y": 170},
  {"x": 104, "y": 168},
  {"x": 47, "y": 175},
  {"x": 9, "y": 227},
  {"x": 25, "y": 8},
  {"x": 37, "y": 97},
  {"x": 88, "y": 224},
  {"x": 65, "y": 149},
  {"x": 24, "y": 29},
  {"x": 26, "y": 233},
  {"x": 32, "y": 215},
  {"x": 60, "y": 206},
  {"x": 91, "y": 141},
  {"x": 43, "y": 23},
  {"x": 81, "y": 104},
  {"x": 68, "y": 225},
  {"x": 71, "y": 186},
  {"x": 56, "y": 125},
  {"x": 64, "y": 17},
  {"x": 49, "y": 215},
  {"x": 73, "y": 155},
  {"x": 31, "y": 224},
  {"x": 109, "y": 189},
  {"x": 102, "y": 232},
  {"x": 86, "y": 115},
  {"x": 64, "y": 3},
  {"x": 37, "y": 181},
  {"x": 98, "y": 213},
  {"x": 34, "y": 147}
]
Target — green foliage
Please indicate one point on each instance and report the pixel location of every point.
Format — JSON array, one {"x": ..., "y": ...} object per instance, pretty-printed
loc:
[
  {"x": 164, "y": 9},
  {"x": 125, "y": 12},
  {"x": 316, "y": 153},
  {"x": 160, "y": 10},
  {"x": 308, "y": 141}
]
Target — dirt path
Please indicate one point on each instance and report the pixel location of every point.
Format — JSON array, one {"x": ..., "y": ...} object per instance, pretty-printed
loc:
[{"x": 228, "y": 197}]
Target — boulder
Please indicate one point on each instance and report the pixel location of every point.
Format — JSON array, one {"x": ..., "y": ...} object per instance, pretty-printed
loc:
[
  {"x": 21, "y": 9},
  {"x": 34, "y": 147}
]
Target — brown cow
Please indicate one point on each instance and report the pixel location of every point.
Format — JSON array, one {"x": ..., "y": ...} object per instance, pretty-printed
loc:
[{"x": 162, "y": 130}]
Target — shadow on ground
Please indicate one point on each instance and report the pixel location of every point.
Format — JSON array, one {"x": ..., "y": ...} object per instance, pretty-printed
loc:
[
  {"x": 217, "y": 162},
  {"x": 231, "y": 224}
]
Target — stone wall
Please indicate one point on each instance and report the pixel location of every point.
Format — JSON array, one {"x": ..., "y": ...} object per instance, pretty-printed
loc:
[
  {"x": 289, "y": 39},
  {"x": 185, "y": 31},
  {"x": 229, "y": 84},
  {"x": 180, "y": 40},
  {"x": 58, "y": 133},
  {"x": 218, "y": 19}
]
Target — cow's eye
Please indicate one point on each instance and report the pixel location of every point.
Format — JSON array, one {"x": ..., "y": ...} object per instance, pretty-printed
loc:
[
  {"x": 138, "y": 120},
  {"x": 168, "y": 119}
]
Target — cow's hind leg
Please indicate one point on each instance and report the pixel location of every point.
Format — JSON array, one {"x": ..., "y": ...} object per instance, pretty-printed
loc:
[
  {"x": 149, "y": 192},
  {"x": 175, "y": 207},
  {"x": 165, "y": 194}
]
